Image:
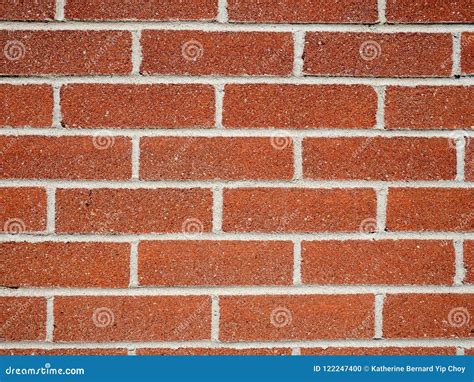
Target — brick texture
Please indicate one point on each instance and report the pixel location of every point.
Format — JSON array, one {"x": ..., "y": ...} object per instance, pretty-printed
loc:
[
  {"x": 469, "y": 160},
  {"x": 389, "y": 351},
  {"x": 27, "y": 10},
  {"x": 378, "y": 158},
  {"x": 157, "y": 318},
  {"x": 133, "y": 211},
  {"x": 65, "y": 52},
  {"x": 469, "y": 261},
  {"x": 378, "y": 54},
  {"x": 216, "y": 158},
  {"x": 428, "y": 315},
  {"x": 206, "y": 53},
  {"x": 378, "y": 262},
  {"x": 467, "y": 53},
  {"x": 299, "y": 106},
  {"x": 65, "y": 265},
  {"x": 176, "y": 263},
  {"x": 26, "y": 105},
  {"x": 309, "y": 317},
  {"x": 429, "y": 11},
  {"x": 213, "y": 351},
  {"x": 22, "y": 318},
  {"x": 134, "y": 106},
  {"x": 94, "y": 157},
  {"x": 296, "y": 210}
]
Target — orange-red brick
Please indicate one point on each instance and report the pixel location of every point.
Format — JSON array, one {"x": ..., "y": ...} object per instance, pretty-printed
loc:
[
  {"x": 27, "y": 10},
  {"x": 469, "y": 159},
  {"x": 137, "y": 106},
  {"x": 199, "y": 158},
  {"x": 22, "y": 319},
  {"x": 398, "y": 262},
  {"x": 216, "y": 53},
  {"x": 469, "y": 261},
  {"x": 430, "y": 209},
  {"x": 303, "y": 11},
  {"x": 299, "y": 106},
  {"x": 379, "y": 158},
  {"x": 65, "y": 52},
  {"x": 389, "y": 350},
  {"x": 467, "y": 53},
  {"x": 126, "y": 318},
  {"x": 428, "y": 315},
  {"x": 51, "y": 264},
  {"x": 213, "y": 351},
  {"x": 133, "y": 211},
  {"x": 141, "y": 10},
  {"x": 305, "y": 317},
  {"x": 378, "y": 54},
  {"x": 26, "y": 105},
  {"x": 40, "y": 157},
  {"x": 190, "y": 263},
  {"x": 23, "y": 209},
  {"x": 429, "y": 11},
  {"x": 429, "y": 107},
  {"x": 296, "y": 210}
]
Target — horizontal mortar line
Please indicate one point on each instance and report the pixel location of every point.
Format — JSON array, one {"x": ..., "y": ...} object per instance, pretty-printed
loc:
[
  {"x": 293, "y": 290},
  {"x": 184, "y": 184},
  {"x": 131, "y": 25},
  {"x": 408, "y": 342},
  {"x": 229, "y": 132},
  {"x": 238, "y": 236},
  {"x": 223, "y": 80}
]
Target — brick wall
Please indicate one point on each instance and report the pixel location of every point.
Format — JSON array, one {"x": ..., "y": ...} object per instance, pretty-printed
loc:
[{"x": 236, "y": 177}]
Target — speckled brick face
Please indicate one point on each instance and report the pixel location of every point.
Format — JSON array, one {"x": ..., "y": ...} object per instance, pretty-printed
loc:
[{"x": 236, "y": 177}]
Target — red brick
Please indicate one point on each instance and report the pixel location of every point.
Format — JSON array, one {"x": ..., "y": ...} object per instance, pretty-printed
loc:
[
  {"x": 469, "y": 351},
  {"x": 27, "y": 10},
  {"x": 78, "y": 265},
  {"x": 378, "y": 54},
  {"x": 133, "y": 211},
  {"x": 390, "y": 350},
  {"x": 429, "y": 11},
  {"x": 299, "y": 106},
  {"x": 469, "y": 159},
  {"x": 26, "y": 105},
  {"x": 305, "y": 317},
  {"x": 199, "y": 158},
  {"x": 40, "y": 157},
  {"x": 173, "y": 263},
  {"x": 126, "y": 318},
  {"x": 467, "y": 53},
  {"x": 296, "y": 210},
  {"x": 137, "y": 106},
  {"x": 213, "y": 351},
  {"x": 303, "y": 11},
  {"x": 23, "y": 209},
  {"x": 469, "y": 261},
  {"x": 379, "y": 158},
  {"x": 429, "y": 107},
  {"x": 22, "y": 319},
  {"x": 65, "y": 52},
  {"x": 430, "y": 209},
  {"x": 141, "y": 10},
  {"x": 208, "y": 53},
  {"x": 428, "y": 315},
  {"x": 64, "y": 351},
  {"x": 397, "y": 262}
]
